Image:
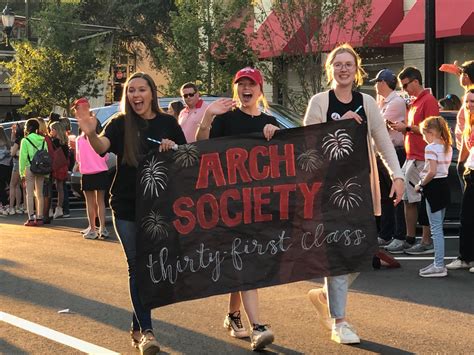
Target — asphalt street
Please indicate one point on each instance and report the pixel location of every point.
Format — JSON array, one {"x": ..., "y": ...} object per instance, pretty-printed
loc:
[{"x": 70, "y": 290}]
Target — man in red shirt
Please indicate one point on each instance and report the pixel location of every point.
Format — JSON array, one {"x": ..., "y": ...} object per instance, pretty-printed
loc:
[{"x": 423, "y": 106}]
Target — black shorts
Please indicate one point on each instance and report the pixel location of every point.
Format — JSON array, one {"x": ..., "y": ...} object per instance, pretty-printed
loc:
[{"x": 92, "y": 182}]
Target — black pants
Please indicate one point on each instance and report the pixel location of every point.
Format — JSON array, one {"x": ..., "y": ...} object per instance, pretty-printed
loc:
[
  {"x": 466, "y": 233},
  {"x": 5, "y": 175}
]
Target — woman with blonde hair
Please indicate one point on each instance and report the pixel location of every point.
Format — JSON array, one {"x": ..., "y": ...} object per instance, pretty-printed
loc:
[
  {"x": 60, "y": 162},
  {"x": 345, "y": 73},
  {"x": 226, "y": 117}
]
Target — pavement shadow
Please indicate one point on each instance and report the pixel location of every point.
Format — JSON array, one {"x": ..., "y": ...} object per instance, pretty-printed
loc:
[
  {"x": 179, "y": 339},
  {"x": 7, "y": 348},
  {"x": 406, "y": 285},
  {"x": 380, "y": 348}
]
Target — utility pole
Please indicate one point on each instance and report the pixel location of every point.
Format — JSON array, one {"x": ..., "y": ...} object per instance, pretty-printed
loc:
[
  {"x": 27, "y": 20},
  {"x": 430, "y": 45}
]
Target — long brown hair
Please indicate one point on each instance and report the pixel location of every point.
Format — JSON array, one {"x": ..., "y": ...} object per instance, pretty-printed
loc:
[
  {"x": 133, "y": 122},
  {"x": 345, "y": 48},
  {"x": 439, "y": 124}
]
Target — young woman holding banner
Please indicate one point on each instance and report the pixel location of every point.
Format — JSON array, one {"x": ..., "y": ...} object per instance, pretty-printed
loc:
[
  {"x": 227, "y": 117},
  {"x": 345, "y": 73},
  {"x": 127, "y": 135}
]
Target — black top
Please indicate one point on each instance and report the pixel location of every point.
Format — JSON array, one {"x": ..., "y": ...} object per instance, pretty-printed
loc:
[
  {"x": 238, "y": 122},
  {"x": 438, "y": 194},
  {"x": 337, "y": 108},
  {"x": 123, "y": 191}
]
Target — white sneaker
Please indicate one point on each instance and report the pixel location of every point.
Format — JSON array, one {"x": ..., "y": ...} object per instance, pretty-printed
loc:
[
  {"x": 12, "y": 211},
  {"x": 343, "y": 333},
  {"x": 471, "y": 270},
  {"x": 260, "y": 337},
  {"x": 433, "y": 271},
  {"x": 104, "y": 233},
  {"x": 85, "y": 231},
  {"x": 19, "y": 210},
  {"x": 92, "y": 234},
  {"x": 457, "y": 264},
  {"x": 50, "y": 213},
  {"x": 233, "y": 324},
  {"x": 316, "y": 296},
  {"x": 58, "y": 212}
]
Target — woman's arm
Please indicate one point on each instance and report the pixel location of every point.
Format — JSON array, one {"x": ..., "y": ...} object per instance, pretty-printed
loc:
[
  {"x": 314, "y": 114},
  {"x": 218, "y": 107}
]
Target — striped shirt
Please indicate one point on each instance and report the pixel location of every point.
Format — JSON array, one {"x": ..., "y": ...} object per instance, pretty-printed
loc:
[{"x": 435, "y": 152}]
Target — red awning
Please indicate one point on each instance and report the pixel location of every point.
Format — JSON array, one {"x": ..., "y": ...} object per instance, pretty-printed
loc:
[
  {"x": 453, "y": 18},
  {"x": 272, "y": 39},
  {"x": 386, "y": 16}
]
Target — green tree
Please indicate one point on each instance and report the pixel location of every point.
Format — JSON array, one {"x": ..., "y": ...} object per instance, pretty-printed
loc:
[
  {"x": 62, "y": 67},
  {"x": 203, "y": 47}
]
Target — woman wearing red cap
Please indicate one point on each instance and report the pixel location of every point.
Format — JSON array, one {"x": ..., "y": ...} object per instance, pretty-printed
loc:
[
  {"x": 228, "y": 117},
  {"x": 130, "y": 135}
]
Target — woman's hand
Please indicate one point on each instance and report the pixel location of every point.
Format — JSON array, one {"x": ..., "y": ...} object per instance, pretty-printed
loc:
[
  {"x": 398, "y": 188},
  {"x": 221, "y": 106},
  {"x": 87, "y": 122},
  {"x": 167, "y": 144},
  {"x": 269, "y": 130},
  {"x": 351, "y": 115}
]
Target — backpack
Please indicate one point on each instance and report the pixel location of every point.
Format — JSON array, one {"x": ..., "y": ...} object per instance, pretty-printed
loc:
[{"x": 41, "y": 163}]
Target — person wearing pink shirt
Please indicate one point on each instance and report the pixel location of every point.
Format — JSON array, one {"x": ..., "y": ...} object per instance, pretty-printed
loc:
[
  {"x": 94, "y": 180},
  {"x": 190, "y": 117}
]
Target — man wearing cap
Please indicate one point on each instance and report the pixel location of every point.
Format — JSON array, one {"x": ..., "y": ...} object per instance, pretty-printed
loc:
[
  {"x": 393, "y": 109},
  {"x": 423, "y": 106},
  {"x": 190, "y": 117}
]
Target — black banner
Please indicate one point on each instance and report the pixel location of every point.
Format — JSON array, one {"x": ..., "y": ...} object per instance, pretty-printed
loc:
[{"x": 240, "y": 213}]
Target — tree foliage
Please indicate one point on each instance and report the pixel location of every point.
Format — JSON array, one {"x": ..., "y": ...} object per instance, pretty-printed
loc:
[
  {"x": 203, "y": 47},
  {"x": 61, "y": 67}
]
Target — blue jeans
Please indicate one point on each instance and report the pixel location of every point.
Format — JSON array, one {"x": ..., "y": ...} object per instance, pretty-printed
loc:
[
  {"x": 436, "y": 225},
  {"x": 336, "y": 289},
  {"x": 127, "y": 233}
]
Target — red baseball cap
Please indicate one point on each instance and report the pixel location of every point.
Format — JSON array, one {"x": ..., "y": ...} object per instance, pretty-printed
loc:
[
  {"x": 251, "y": 73},
  {"x": 80, "y": 101}
]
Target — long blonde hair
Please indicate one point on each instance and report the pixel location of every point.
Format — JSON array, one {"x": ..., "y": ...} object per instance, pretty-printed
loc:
[
  {"x": 345, "y": 48},
  {"x": 468, "y": 116},
  {"x": 61, "y": 132},
  {"x": 439, "y": 124}
]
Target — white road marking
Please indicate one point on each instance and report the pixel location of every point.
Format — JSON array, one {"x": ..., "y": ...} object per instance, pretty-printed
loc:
[
  {"x": 422, "y": 257},
  {"x": 58, "y": 337}
]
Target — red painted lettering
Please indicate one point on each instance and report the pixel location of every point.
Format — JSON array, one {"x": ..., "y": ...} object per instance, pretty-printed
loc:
[
  {"x": 259, "y": 201},
  {"x": 224, "y": 208},
  {"x": 210, "y": 163},
  {"x": 288, "y": 157},
  {"x": 284, "y": 191},
  {"x": 178, "y": 205},
  {"x": 236, "y": 158},
  {"x": 211, "y": 201}
]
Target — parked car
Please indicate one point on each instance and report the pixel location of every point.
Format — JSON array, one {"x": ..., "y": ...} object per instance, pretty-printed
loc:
[{"x": 285, "y": 117}]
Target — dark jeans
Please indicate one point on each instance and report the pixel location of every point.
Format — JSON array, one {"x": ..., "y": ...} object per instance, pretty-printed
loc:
[
  {"x": 392, "y": 221},
  {"x": 127, "y": 233},
  {"x": 466, "y": 233},
  {"x": 5, "y": 176}
]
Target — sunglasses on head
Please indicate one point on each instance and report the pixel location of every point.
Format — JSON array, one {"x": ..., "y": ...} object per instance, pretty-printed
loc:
[{"x": 189, "y": 95}]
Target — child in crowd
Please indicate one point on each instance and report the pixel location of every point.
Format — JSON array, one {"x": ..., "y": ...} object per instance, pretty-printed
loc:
[
  {"x": 60, "y": 162},
  {"x": 434, "y": 185}
]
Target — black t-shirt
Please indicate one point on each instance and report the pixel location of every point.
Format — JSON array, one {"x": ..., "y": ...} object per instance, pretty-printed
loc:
[
  {"x": 238, "y": 122},
  {"x": 337, "y": 108},
  {"x": 123, "y": 191}
]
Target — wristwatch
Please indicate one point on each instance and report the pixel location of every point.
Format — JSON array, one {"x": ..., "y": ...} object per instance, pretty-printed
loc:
[{"x": 407, "y": 129}]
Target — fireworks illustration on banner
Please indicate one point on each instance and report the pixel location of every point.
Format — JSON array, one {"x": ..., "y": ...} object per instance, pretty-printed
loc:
[
  {"x": 187, "y": 155},
  {"x": 155, "y": 226},
  {"x": 154, "y": 177},
  {"x": 345, "y": 194},
  {"x": 338, "y": 145},
  {"x": 310, "y": 160}
]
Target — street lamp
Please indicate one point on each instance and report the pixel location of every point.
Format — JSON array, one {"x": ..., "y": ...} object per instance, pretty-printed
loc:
[{"x": 8, "y": 18}]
